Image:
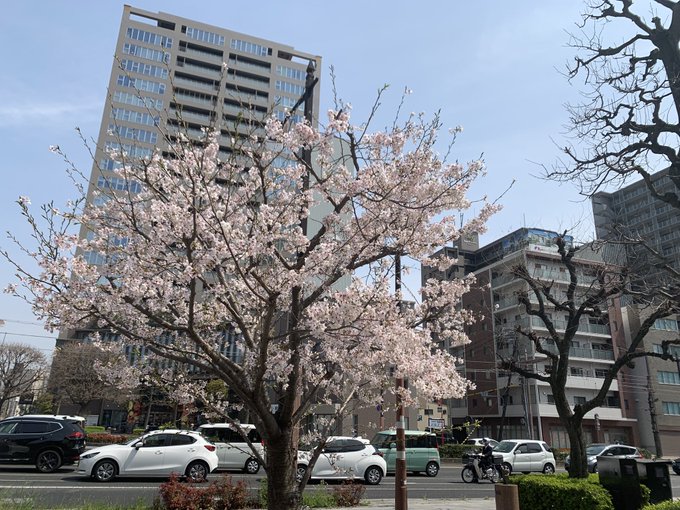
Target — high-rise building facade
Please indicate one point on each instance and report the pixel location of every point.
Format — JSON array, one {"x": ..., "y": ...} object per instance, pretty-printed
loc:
[
  {"x": 524, "y": 408},
  {"x": 635, "y": 212},
  {"x": 173, "y": 75}
]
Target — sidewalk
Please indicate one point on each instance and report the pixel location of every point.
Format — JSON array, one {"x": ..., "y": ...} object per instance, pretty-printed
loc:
[{"x": 429, "y": 504}]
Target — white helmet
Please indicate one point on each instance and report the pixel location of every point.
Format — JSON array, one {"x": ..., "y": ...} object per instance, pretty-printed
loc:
[{"x": 486, "y": 440}]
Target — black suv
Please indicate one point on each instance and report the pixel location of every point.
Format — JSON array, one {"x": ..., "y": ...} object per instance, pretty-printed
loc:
[{"x": 44, "y": 440}]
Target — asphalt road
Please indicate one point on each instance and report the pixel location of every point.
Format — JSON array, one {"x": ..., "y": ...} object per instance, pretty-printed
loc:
[{"x": 64, "y": 488}]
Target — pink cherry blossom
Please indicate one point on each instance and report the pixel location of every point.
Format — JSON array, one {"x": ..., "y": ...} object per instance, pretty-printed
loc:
[{"x": 240, "y": 249}]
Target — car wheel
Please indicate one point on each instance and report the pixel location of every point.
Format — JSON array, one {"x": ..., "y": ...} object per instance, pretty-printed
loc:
[
  {"x": 507, "y": 468},
  {"x": 373, "y": 475},
  {"x": 104, "y": 471},
  {"x": 468, "y": 475},
  {"x": 549, "y": 469},
  {"x": 252, "y": 466},
  {"x": 197, "y": 471},
  {"x": 300, "y": 473},
  {"x": 48, "y": 461},
  {"x": 432, "y": 469}
]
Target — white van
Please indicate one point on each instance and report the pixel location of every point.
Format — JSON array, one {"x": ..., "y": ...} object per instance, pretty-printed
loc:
[{"x": 233, "y": 452}]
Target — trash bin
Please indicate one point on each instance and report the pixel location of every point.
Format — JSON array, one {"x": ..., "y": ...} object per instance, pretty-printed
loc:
[
  {"x": 620, "y": 477},
  {"x": 655, "y": 475}
]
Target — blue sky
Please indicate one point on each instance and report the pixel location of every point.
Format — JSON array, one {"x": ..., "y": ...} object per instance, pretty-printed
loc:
[{"x": 492, "y": 67}]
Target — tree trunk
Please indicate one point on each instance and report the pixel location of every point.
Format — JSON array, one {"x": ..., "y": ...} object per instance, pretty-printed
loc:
[
  {"x": 282, "y": 489},
  {"x": 578, "y": 467}
]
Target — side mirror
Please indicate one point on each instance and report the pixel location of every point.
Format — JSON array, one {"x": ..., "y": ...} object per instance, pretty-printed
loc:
[{"x": 137, "y": 445}]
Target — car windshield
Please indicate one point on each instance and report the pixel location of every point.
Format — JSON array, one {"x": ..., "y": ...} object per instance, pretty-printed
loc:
[
  {"x": 595, "y": 449},
  {"x": 383, "y": 440},
  {"x": 133, "y": 441},
  {"x": 505, "y": 446}
]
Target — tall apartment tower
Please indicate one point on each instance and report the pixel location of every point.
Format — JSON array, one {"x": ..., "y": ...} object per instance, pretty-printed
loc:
[
  {"x": 172, "y": 75},
  {"x": 525, "y": 407},
  {"x": 169, "y": 75},
  {"x": 635, "y": 211}
]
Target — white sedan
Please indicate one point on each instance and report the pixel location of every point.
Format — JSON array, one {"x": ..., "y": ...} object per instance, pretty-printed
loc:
[
  {"x": 158, "y": 453},
  {"x": 345, "y": 458}
]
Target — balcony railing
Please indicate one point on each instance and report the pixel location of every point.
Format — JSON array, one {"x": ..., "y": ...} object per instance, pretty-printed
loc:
[
  {"x": 583, "y": 352},
  {"x": 561, "y": 325}
]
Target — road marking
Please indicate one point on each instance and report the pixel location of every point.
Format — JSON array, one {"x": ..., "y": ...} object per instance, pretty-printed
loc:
[{"x": 71, "y": 487}]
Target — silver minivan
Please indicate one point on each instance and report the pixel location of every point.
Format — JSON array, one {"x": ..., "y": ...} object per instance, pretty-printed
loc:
[{"x": 233, "y": 451}]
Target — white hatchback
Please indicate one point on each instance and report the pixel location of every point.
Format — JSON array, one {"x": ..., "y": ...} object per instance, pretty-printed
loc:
[
  {"x": 233, "y": 451},
  {"x": 345, "y": 458},
  {"x": 525, "y": 455},
  {"x": 158, "y": 453}
]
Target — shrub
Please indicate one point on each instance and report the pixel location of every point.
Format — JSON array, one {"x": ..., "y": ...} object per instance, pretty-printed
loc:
[
  {"x": 94, "y": 429},
  {"x": 454, "y": 451},
  {"x": 666, "y": 505},
  {"x": 105, "y": 438},
  {"x": 540, "y": 492},
  {"x": 218, "y": 495},
  {"x": 348, "y": 493}
]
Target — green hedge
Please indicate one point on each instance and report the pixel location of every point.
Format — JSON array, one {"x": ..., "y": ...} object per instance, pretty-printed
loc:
[
  {"x": 666, "y": 505},
  {"x": 455, "y": 451},
  {"x": 94, "y": 429},
  {"x": 108, "y": 438},
  {"x": 541, "y": 492}
]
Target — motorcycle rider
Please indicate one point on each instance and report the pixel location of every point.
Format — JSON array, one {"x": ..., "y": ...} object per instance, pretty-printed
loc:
[{"x": 486, "y": 460}]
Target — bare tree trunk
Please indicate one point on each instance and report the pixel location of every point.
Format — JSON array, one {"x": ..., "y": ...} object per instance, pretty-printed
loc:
[
  {"x": 282, "y": 489},
  {"x": 578, "y": 466}
]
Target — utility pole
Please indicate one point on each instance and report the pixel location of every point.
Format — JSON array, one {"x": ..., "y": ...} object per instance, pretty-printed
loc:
[{"x": 400, "y": 490}]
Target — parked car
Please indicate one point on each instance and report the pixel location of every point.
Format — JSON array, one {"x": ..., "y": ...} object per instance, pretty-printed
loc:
[
  {"x": 233, "y": 451},
  {"x": 48, "y": 441},
  {"x": 476, "y": 442},
  {"x": 676, "y": 466},
  {"x": 158, "y": 453},
  {"x": 422, "y": 454},
  {"x": 343, "y": 458},
  {"x": 525, "y": 455},
  {"x": 595, "y": 450}
]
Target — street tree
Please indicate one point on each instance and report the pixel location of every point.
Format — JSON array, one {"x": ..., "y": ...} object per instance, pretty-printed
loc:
[
  {"x": 83, "y": 372},
  {"x": 22, "y": 367},
  {"x": 627, "y": 125},
  {"x": 287, "y": 240},
  {"x": 591, "y": 287}
]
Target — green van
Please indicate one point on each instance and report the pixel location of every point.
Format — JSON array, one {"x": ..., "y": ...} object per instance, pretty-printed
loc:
[{"x": 422, "y": 454}]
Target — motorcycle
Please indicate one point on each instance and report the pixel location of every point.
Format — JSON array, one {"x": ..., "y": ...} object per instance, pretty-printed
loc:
[{"x": 473, "y": 472}]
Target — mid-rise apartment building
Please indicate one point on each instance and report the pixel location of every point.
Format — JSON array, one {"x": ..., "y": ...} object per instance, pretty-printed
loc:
[
  {"x": 525, "y": 407},
  {"x": 634, "y": 212}
]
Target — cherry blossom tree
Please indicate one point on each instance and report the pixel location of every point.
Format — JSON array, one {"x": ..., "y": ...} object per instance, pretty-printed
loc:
[{"x": 293, "y": 257}]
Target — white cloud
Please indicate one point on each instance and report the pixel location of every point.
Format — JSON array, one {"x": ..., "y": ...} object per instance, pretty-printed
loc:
[{"x": 27, "y": 114}]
